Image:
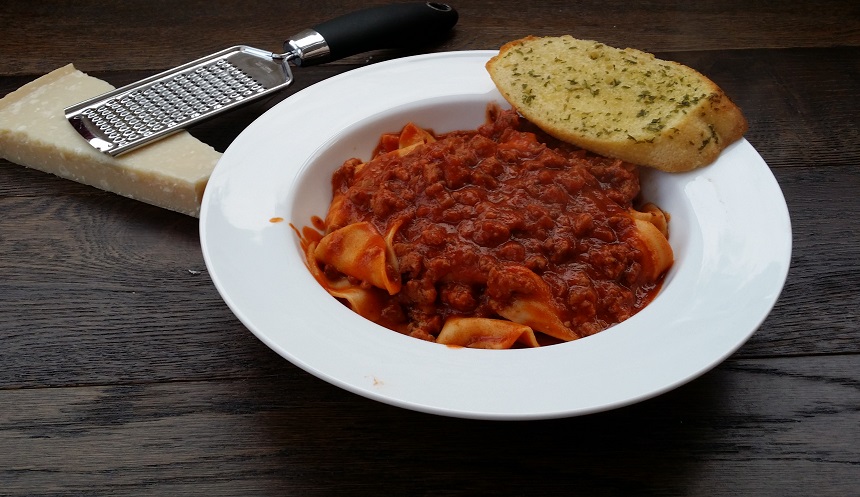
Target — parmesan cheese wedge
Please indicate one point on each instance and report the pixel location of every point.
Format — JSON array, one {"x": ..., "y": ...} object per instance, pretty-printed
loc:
[{"x": 170, "y": 173}]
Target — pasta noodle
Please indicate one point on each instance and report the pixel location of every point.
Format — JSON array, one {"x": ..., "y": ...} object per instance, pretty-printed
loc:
[{"x": 498, "y": 237}]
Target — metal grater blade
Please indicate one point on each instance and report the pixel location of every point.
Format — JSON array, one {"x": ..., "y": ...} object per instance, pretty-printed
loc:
[{"x": 132, "y": 116}]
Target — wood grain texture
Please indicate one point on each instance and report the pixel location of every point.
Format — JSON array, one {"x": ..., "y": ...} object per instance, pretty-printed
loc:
[
  {"x": 750, "y": 428},
  {"x": 122, "y": 372},
  {"x": 160, "y": 35}
]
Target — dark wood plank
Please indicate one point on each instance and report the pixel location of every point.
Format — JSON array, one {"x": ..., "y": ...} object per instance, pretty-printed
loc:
[
  {"x": 821, "y": 301},
  {"x": 752, "y": 427},
  {"x": 99, "y": 285},
  {"x": 159, "y": 35},
  {"x": 103, "y": 289}
]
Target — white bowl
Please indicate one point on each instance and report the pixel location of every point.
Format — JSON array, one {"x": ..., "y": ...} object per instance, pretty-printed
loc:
[{"x": 730, "y": 231}]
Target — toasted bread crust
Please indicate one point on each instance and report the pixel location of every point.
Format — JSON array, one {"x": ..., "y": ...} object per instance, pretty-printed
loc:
[{"x": 621, "y": 103}]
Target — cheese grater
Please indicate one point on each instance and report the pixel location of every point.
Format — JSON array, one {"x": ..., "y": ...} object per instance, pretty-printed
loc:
[{"x": 132, "y": 116}]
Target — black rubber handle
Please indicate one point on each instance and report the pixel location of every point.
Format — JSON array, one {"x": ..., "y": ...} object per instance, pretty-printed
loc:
[{"x": 399, "y": 26}]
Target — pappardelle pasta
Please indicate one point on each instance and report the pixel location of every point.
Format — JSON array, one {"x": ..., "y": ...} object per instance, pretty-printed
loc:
[{"x": 495, "y": 238}]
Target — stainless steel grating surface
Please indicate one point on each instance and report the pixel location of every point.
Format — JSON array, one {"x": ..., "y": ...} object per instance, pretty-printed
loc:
[{"x": 168, "y": 104}]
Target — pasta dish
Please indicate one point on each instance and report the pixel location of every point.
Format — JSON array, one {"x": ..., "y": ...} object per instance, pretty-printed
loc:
[{"x": 498, "y": 237}]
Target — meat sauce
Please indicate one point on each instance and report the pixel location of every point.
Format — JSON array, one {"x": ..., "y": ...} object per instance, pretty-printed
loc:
[{"x": 505, "y": 193}]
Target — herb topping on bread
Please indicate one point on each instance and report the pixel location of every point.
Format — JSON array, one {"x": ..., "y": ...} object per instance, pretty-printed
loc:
[{"x": 621, "y": 103}]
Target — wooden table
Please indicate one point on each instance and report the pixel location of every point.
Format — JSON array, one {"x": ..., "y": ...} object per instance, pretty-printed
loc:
[{"x": 123, "y": 372}]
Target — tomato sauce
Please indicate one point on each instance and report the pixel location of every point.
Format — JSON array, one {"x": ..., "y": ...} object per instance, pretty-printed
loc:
[{"x": 506, "y": 193}]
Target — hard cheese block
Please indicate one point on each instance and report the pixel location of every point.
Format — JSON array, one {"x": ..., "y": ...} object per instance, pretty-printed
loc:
[{"x": 170, "y": 173}]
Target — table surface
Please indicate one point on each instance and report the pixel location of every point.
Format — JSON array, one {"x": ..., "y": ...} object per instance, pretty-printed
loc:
[{"x": 123, "y": 372}]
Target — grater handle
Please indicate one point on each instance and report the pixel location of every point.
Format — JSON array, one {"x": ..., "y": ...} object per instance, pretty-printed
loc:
[{"x": 389, "y": 26}]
